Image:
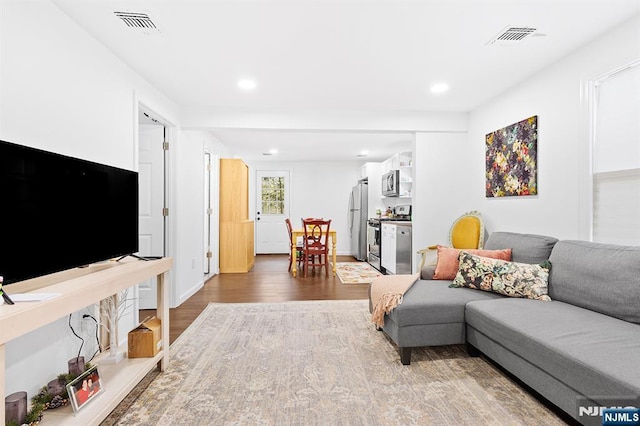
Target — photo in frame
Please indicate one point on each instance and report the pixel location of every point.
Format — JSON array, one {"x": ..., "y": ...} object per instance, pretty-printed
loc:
[
  {"x": 511, "y": 156},
  {"x": 85, "y": 388}
]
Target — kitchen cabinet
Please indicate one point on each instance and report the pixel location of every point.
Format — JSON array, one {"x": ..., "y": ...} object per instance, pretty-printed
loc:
[
  {"x": 395, "y": 248},
  {"x": 388, "y": 247},
  {"x": 236, "y": 230},
  {"x": 371, "y": 172}
]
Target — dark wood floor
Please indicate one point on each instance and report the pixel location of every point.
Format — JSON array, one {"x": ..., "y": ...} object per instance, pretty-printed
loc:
[{"x": 268, "y": 281}]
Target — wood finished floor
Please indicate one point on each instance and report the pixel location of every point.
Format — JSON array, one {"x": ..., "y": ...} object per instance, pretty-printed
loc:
[{"x": 268, "y": 281}]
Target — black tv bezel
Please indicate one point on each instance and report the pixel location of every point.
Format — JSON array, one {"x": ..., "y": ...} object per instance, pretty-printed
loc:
[{"x": 128, "y": 248}]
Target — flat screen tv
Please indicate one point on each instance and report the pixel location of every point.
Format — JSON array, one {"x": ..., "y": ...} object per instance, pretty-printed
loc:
[{"x": 59, "y": 212}]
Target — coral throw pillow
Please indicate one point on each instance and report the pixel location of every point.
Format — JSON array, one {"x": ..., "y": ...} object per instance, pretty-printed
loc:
[{"x": 447, "y": 264}]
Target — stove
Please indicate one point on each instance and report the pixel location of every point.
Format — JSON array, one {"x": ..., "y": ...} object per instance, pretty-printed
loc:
[
  {"x": 402, "y": 214},
  {"x": 374, "y": 234}
]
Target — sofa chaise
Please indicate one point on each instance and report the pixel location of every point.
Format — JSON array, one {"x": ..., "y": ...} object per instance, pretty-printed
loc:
[{"x": 582, "y": 347}]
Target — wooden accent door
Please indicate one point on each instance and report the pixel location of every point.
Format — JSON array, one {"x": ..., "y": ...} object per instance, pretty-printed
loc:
[{"x": 236, "y": 230}]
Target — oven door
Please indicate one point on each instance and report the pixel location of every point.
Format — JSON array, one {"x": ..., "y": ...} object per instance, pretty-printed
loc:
[
  {"x": 373, "y": 239},
  {"x": 373, "y": 245}
]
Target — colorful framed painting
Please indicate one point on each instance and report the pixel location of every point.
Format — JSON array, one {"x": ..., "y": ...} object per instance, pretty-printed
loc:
[{"x": 512, "y": 160}]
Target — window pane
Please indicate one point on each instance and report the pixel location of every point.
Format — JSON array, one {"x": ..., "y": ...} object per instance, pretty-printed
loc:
[
  {"x": 616, "y": 159},
  {"x": 272, "y": 195},
  {"x": 617, "y": 129}
]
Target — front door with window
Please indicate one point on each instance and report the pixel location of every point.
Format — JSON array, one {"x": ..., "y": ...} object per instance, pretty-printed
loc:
[{"x": 272, "y": 207}]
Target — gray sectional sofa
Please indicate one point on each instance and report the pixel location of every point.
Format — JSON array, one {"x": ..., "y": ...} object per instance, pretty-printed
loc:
[{"x": 581, "y": 348}]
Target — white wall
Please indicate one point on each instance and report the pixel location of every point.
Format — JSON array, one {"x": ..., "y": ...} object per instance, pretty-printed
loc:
[
  {"x": 318, "y": 189},
  {"x": 189, "y": 193},
  {"x": 450, "y": 168},
  {"x": 562, "y": 208},
  {"x": 443, "y": 184},
  {"x": 62, "y": 91}
]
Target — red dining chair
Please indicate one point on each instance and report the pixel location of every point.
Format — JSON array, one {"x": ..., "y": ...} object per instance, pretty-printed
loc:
[
  {"x": 299, "y": 247},
  {"x": 316, "y": 244}
]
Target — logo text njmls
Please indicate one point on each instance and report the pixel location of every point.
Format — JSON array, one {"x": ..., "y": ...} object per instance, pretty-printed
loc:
[{"x": 629, "y": 416}]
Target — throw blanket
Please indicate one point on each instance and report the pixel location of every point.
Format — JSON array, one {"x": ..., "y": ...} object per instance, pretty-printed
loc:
[{"x": 387, "y": 292}]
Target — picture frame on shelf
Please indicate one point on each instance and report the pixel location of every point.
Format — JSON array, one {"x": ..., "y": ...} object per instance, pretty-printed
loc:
[{"x": 85, "y": 388}]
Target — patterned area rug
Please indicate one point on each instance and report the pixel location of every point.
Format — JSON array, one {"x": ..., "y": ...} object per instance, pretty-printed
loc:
[
  {"x": 356, "y": 272},
  {"x": 320, "y": 363}
]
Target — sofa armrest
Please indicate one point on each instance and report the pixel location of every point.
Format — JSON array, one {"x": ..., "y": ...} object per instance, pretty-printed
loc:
[
  {"x": 427, "y": 271},
  {"x": 429, "y": 257}
]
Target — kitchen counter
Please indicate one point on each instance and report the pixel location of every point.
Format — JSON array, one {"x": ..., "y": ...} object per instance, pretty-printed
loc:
[{"x": 396, "y": 222}]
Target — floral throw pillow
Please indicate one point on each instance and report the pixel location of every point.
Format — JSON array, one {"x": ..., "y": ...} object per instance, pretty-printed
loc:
[{"x": 508, "y": 278}]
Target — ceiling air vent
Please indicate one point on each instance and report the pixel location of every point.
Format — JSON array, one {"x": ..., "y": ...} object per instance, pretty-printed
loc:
[
  {"x": 137, "y": 20},
  {"x": 512, "y": 35}
]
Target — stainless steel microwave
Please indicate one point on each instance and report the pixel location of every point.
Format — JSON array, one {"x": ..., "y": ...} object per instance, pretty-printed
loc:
[{"x": 391, "y": 184}]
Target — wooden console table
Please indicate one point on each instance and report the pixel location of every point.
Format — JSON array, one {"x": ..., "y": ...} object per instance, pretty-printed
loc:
[{"x": 78, "y": 288}]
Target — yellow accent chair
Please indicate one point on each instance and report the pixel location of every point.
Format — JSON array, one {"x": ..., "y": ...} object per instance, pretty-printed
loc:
[{"x": 467, "y": 232}]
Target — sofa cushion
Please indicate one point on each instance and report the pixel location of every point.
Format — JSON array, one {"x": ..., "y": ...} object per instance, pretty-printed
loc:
[
  {"x": 433, "y": 302},
  {"x": 508, "y": 278},
  {"x": 447, "y": 264},
  {"x": 602, "y": 277},
  {"x": 595, "y": 354},
  {"x": 525, "y": 248}
]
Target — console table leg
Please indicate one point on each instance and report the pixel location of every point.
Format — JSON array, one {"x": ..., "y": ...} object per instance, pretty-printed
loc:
[
  {"x": 163, "y": 313},
  {"x": 2, "y": 382}
]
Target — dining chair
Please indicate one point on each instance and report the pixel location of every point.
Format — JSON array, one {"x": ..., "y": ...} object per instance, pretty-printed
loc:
[
  {"x": 299, "y": 247},
  {"x": 316, "y": 244}
]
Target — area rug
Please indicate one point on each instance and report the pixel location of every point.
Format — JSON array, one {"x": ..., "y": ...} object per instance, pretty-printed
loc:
[
  {"x": 321, "y": 363},
  {"x": 356, "y": 272}
]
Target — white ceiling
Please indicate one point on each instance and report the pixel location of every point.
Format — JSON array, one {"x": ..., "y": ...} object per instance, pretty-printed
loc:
[{"x": 352, "y": 55}]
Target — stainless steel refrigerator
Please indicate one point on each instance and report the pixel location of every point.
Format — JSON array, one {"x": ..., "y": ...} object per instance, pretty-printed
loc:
[{"x": 358, "y": 212}]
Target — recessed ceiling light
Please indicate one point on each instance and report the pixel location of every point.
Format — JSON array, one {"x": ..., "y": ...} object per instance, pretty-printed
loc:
[
  {"x": 363, "y": 153},
  {"x": 439, "y": 88},
  {"x": 246, "y": 84},
  {"x": 273, "y": 151}
]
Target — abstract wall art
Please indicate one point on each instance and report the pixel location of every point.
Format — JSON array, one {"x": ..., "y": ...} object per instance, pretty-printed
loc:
[{"x": 512, "y": 160}]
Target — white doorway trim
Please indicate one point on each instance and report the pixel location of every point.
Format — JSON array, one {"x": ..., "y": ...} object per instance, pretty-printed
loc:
[{"x": 170, "y": 135}]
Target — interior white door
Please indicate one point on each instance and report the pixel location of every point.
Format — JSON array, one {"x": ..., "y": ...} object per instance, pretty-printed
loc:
[
  {"x": 151, "y": 192},
  {"x": 272, "y": 207},
  {"x": 208, "y": 212}
]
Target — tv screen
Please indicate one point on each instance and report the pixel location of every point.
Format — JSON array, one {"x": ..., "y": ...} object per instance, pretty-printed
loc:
[{"x": 59, "y": 212}]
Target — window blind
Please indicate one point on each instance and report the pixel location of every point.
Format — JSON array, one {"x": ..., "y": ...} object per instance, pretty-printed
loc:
[
  {"x": 616, "y": 159},
  {"x": 616, "y": 207}
]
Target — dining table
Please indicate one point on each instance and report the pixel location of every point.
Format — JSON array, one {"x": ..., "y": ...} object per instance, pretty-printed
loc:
[{"x": 296, "y": 233}]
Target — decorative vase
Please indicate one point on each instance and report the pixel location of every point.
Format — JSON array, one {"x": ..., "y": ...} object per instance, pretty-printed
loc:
[
  {"x": 54, "y": 387},
  {"x": 76, "y": 365},
  {"x": 15, "y": 407}
]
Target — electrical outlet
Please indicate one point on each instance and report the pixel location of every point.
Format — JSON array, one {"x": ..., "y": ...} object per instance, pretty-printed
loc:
[{"x": 85, "y": 323}]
